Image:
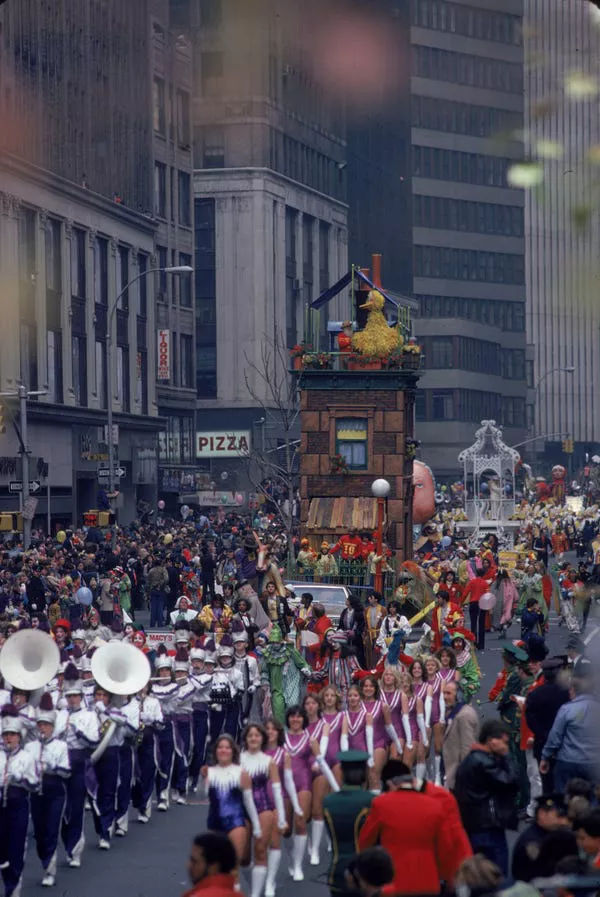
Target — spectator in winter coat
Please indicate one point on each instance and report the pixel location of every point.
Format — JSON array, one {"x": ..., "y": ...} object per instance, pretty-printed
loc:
[
  {"x": 486, "y": 787},
  {"x": 574, "y": 740}
]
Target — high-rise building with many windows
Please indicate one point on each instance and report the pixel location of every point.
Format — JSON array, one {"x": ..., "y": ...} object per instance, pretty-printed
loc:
[
  {"x": 562, "y": 42},
  {"x": 76, "y": 230},
  {"x": 468, "y": 225}
]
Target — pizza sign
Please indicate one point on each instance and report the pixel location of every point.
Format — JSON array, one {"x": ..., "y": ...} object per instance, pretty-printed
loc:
[{"x": 232, "y": 444}]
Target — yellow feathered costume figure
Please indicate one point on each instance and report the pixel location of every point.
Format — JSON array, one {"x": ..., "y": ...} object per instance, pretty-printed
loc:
[{"x": 377, "y": 338}]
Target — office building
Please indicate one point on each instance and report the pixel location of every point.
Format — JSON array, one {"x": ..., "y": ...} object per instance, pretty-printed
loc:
[
  {"x": 173, "y": 209},
  {"x": 269, "y": 200},
  {"x": 468, "y": 226},
  {"x": 76, "y": 227},
  {"x": 561, "y": 227},
  {"x": 378, "y": 149}
]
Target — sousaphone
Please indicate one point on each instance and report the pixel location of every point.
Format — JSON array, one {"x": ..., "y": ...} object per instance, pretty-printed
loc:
[
  {"x": 29, "y": 659},
  {"x": 122, "y": 670}
]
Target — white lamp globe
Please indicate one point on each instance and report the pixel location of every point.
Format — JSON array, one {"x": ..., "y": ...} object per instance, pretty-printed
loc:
[{"x": 380, "y": 488}]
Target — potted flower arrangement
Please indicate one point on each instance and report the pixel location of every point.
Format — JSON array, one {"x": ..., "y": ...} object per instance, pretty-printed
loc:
[
  {"x": 360, "y": 362},
  {"x": 411, "y": 354},
  {"x": 297, "y": 353},
  {"x": 338, "y": 464},
  {"x": 317, "y": 361}
]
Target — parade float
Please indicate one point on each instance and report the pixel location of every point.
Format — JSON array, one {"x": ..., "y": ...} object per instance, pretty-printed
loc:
[{"x": 357, "y": 400}]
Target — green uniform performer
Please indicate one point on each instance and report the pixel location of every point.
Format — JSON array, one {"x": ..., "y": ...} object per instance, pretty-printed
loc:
[{"x": 345, "y": 812}]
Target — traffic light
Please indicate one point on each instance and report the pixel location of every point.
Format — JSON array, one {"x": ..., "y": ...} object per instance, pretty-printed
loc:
[
  {"x": 2, "y": 419},
  {"x": 568, "y": 446}
]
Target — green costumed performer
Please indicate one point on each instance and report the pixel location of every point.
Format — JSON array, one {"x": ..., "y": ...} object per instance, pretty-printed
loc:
[
  {"x": 467, "y": 666},
  {"x": 281, "y": 672},
  {"x": 517, "y": 685}
]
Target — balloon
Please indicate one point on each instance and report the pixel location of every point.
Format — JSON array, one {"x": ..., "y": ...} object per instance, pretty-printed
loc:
[
  {"x": 487, "y": 601},
  {"x": 61, "y": 536},
  {"x": 239, "y": 498},
  {"x": 185, "y": 512},
  {"x": 161, "y": 505},
  {"x": 84, "y": 595}
]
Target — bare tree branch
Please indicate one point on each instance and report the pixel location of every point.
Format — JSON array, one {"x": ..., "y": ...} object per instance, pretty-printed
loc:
[{"x": 276, "y": 393}]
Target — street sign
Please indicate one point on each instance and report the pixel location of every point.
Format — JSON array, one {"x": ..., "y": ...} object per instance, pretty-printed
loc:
[
  {"x": 17, "y": 486},
  {"x": 103, "y": 473}
]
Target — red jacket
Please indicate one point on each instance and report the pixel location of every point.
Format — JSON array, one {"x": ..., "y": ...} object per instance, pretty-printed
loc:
[
  {"x": 214, "y": 886},
  {"x": 475, "y": 589},
  {"x": 462, "y": 846},
  {"x": 416, "y": 830},
  {"x": 351, "y": 547}
]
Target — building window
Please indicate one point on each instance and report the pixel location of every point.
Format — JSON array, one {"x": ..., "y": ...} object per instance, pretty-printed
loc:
[
  {"x": 101, "y": 372},
  {"x": 123, "y": 278},
  {"x": 143, "y": 284},
  {"x": 158, "y": 106},
  {"x": 175, "y": 356},
  {"x": 142, "y": 381},
  {"x": 213, "y": 152},
  {"x": 205, "y": 298},
  {"x": 162, "y": 258},
  {"x": 440, "y": 352},
  {"x": 291, "y": 277},
  {"x": 101, "y": 271},
  {"x": 79, "y": 369},
  {"x": 123, "y": 377},
  {"x": 185, "y": 282},
  {"x": 183, "y": 118},
  {"x": 54, "y": 370},
  {"x": 351, "y": 441},
  {"x": 53, "y": 256},
  {"x": 78, "y": 263},
  {"x": 211, "y": 73},
  {"x": 420, "y": 406},
  {"x": 211, "y": 13},
  {"x": 455, "y": 18},
  {"x": 324, "y": 230},
  {"x": 160, "y": 190},
  {"x": 442, "y": 405},
  {"x": 27, "y": 266},
  {"x": 184, "y": 197},
  {"x": 187, "y": 361}
]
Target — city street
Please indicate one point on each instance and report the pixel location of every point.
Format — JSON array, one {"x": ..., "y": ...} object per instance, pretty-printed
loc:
[{"x": 151, "y": 860}]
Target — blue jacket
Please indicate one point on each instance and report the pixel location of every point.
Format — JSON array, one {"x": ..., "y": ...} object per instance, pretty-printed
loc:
[{"x": 575, "y": 735}]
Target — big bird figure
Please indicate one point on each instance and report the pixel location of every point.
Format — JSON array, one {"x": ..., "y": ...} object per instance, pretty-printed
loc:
[{"x": 377, "y": 338}]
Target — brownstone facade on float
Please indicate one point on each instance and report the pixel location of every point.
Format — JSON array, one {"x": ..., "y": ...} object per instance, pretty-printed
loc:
[{"x": 333, "y": 501}]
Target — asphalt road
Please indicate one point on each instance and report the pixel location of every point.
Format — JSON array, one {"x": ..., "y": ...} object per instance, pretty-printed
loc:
[{"x": 151, "y": 860}]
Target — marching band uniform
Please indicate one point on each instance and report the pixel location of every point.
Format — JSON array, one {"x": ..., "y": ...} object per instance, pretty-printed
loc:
[
  {"x": 247, "y": 667},
  {"x": 107, "y": 771},
  {"x": 19, "y": 776},
  {"x": 223, "y": 692},
  {"x": 151, "y": 720},
  {"x": 229, "y": 671},
  {"x": 82, "y": 734},
  {"x": 183, "y": 725},
  {"x": 165, "y": 691},
  {"x": 126, "y": 757},
  {"x": 51, "y": 757},
  {"x": 200, "y": 704}
]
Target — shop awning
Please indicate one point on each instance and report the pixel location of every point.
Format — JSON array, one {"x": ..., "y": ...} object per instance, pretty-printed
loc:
[{"x": 329, "y": 514}]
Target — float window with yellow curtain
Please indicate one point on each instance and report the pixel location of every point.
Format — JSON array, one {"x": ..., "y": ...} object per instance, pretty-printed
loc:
[{"x": 351, "y": 440}]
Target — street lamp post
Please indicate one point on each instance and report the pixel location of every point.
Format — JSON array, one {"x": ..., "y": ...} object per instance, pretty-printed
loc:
[
  {"x": 173, "y": 269},
  {"x": 568, "y": 369},
  {"x": 380, "y": 489}
]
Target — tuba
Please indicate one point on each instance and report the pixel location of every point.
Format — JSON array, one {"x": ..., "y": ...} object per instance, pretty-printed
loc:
[
  {"x": 121, "y": 669},
  {"x": 29, "y": 659}
]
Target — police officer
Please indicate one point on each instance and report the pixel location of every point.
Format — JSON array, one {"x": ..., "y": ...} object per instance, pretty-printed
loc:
[
  {"x": 344, "y": 812},
  {"x": 550, "y": 815}
]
